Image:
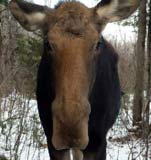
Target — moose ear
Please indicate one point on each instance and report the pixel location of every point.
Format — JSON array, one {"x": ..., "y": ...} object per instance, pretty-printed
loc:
[
  {"x": 30, "y": 16},
  {"x": 116, "y": 10}
]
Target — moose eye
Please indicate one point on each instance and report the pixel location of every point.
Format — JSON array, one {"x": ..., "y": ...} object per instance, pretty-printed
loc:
[
  {"x": 49, "y": 47},
  {"x": 97, "y": 47}
]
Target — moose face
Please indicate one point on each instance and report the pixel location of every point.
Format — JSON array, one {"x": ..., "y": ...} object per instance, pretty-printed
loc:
[
  {"x": 72, "y": 31},
  {"x": 74, "y": 54}
]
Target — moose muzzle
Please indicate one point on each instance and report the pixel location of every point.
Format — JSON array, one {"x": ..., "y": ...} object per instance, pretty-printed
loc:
[{"x": 70, "y": 127}]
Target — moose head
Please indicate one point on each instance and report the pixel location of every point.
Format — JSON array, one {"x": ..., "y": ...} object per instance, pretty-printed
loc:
[{"x": 73, "y": 34}]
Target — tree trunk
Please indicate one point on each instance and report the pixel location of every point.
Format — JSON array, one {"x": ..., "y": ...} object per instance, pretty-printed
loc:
[
  {"x": 146, "y": 117},
  {"x": 140, "y": 57},
  {"x": 8, "y": 31},
  {"x": 148, "y": 68},
  {"x": 149, "y": 52}
]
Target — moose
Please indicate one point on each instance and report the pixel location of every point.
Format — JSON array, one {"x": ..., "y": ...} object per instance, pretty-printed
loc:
[{"x": 78, "y": 88}]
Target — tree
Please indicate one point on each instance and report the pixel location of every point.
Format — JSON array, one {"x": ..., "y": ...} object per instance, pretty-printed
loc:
[
  {"x": 140, "y": 57},
  {"x": 148, "y": 65},
  {"x": 8, "y": 31},
  {"x": 4, "y": 2},
  {"x": 149, "y": 50}
]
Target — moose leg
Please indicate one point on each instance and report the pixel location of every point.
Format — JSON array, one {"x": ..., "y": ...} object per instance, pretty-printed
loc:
[
  {"x": 90, "y": 156},
  {"x": 96, "y": 149},
  {"x": 44, "y": 114},
  {"x": 101, "y": 154}
]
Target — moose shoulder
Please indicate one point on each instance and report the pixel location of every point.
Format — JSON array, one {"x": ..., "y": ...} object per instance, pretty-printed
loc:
[{"x": 78, "y": 90}]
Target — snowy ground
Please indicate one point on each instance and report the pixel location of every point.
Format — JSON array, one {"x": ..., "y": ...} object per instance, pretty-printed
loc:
[{"x": 121, "y": 145}]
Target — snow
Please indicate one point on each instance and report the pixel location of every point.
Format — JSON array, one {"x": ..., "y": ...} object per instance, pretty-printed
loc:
[
  {"x": 119, "y": 33},
  {"x": 22, "y": 113},
  {"x": 121, "y": 144}
]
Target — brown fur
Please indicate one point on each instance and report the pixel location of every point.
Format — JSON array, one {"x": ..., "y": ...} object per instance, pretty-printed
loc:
[
  {"x": 73, "y": 33},
  {"x": 73, "y": 42},
  {"x": 72, "y": 53}
]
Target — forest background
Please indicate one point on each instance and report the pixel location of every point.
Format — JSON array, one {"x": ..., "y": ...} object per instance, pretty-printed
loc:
[{"x": 21, "y": 135}]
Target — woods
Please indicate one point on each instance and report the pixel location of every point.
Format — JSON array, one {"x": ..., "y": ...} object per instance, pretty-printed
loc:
[
  {"x": 140, "y": 63},
  {"x": 142, "y": 86},
  {"x": 21, "y": 135}
]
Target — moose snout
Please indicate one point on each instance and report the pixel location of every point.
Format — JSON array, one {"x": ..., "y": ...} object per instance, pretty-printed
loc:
[
  {"x": 73, "y": 137},
  {"x": 70, "y": 126}
]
